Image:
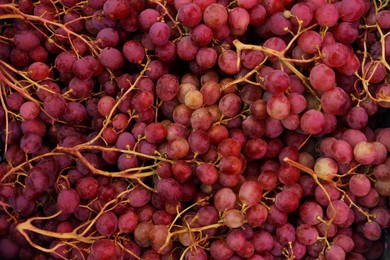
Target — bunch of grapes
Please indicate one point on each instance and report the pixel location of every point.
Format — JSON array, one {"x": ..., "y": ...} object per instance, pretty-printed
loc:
[{"x": 194, "y": 129}]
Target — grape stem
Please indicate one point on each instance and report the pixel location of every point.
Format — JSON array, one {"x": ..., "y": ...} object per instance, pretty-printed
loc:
[{"x": 280, "y": 54}]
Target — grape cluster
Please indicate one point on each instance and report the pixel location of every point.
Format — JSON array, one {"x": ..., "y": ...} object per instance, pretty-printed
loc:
[{"x": 194, "y": 129}]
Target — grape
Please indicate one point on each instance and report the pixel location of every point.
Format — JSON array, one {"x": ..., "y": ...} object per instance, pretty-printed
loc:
[
  {"x": 256, "y": 215},
  {"x": 193, "y": 99},
  {"x": 68, "y": 200},
  {"x": 29, "y": 110},
  {"x": 331, "y": 229},
  {"x": 190, "y": 14},
  {"x": 251, "y": 58},
  {"x": 147, "y": 18},
  {"x": 20, "y": 59},
  {"x": 155, "y": 132},
  {"x": 258, "y": 109},
  {"x": 169, "y": 189},
  {"x": 279, "y": 24},
  {"x": 383, "y": 19},
  {"x": 250, "y": 193},
  {"x": 166, "y": 52},
  {"x": 351, "y": 10},
  {"x": 133, "y": 51},
  {"x": 276, "y": 217},
  {"x": 201, "y": 35},
  {"x": 38, "y": 71},
  {"x": 342, "y": 151},
  {"x": 230, "y": 165},
  {"x": 285, "y": 234},
  {"x": 327, "y": 14},
  {"x": 278, "y": 107},
  {"x": 33, "y": 126},
  {"x": 207, "y": 215},
  {"x": 139, "y": 197},
  {"x": 80, "y": 88},
  {"x": 199, "y": 141},
  {"x": 302, "y": 12},
  {"x": 83, "y": 68},
  {"x": 103, "y": 249},
  {"x": 335, "y": 252},
  {"x": 382, "y": 91},
  {"x": 161, "y": 217},
  {"x": 262, "y": 241},
  {"x": 345, "y": 242},
  {"x": 9, "y": 249},
  {"x": 310, "y": 212},
  {"x": 364, "y": 152},
  {"x": 217, "y": 134},
  {"x": 381, "y": 216},
  {"x": 276, "y": 82},
  {"x": 26, "y": 40},
  {"x": 255, "y": 149},
  {"x": 339, "y": 211},
  {"x": 181, "y": 171},
  {"x": 167, "y": 87},
  {"x": 219, "y": 249},
  {"x": 306, "y": 234},
  {"x": 345, "y": 32},
  {"x": 75, "y": 113},
  {"x": 14, "y": 101},
  {"x": 178, "y": 148},
  {"x": 335, "y": 54},
  {"x": 359, "y": 185},
  {"x": 195, "y": 253},
  {"x": 64, "y": 61},
  {"x": 291, "y": 122},
  {"x": 236, "y": 239},
  {"x": 354, "y": 137},
  {"x": 258, "y": 15},
  {"x": 117, "y": 9},
  {"x": 159, "y": 33},
  {"x": 227, "y": 62},
  {"x": 322, "y": 77},
  {"x": 224, "y": 199},
  {"x": 276, "y": 44},
  {"x": 238, "y": 20},
  {"x": 142, "y": 101},
  {"x": 184, "y": 88},
  {"x": 286, "y": 201},
  {"x": 335, "y": 101},
  {"x": 312, "y": 121},
  {"x": 201, "y": 119},
  {"x": 111, "y": 58},
  {"x": 229, "y": 147},
  {"x": 39, "y": 54},
  {"x": 230, "y": 105},
  {"x": 31, "y": 142},
  {"x": 320, "y": 196},
  {"x": 234, "y": 218},
  {"x": 375, "y": 72},
  {"x": 370, "y": 200},
  {"x": 215, "y": 15},
  {"x": 107, "y": 224},
  {"x": 326, "y": 168},
  {"x": 206, "y": 57},
  {"x": 186, "y": 48},
  {"x": 87, "y": 187},
  {"x": 38, "y": 179},
  {"x": 288, "y": 174}
]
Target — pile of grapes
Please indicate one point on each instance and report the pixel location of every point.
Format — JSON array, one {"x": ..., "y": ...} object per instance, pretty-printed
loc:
[{"x": 194, "y": 129}]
